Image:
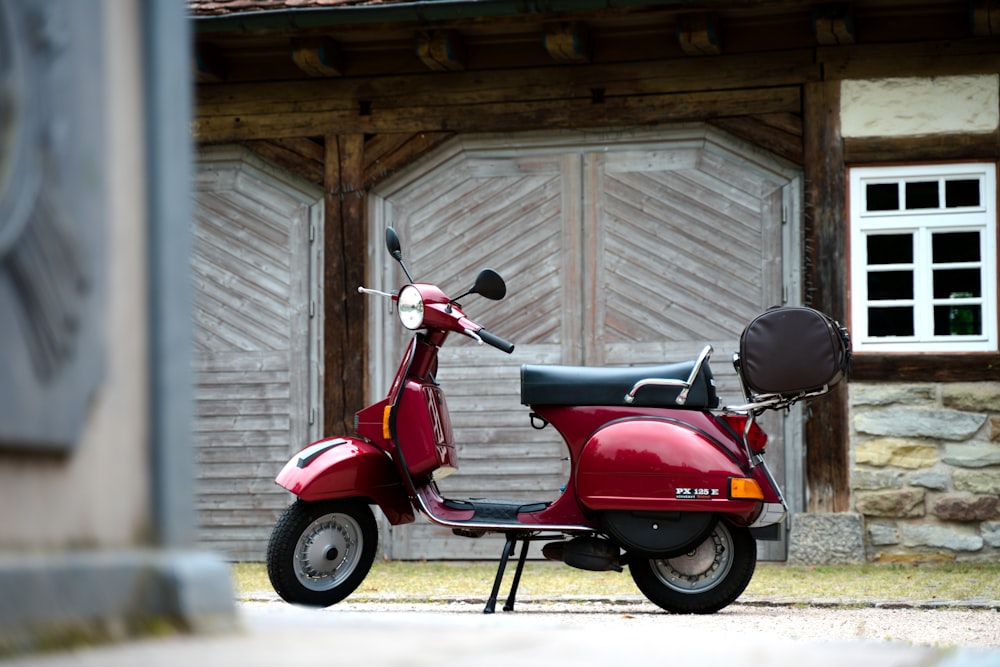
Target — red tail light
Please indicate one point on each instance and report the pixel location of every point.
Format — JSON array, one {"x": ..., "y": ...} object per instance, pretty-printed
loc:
[{"x": 757, "y": 439}]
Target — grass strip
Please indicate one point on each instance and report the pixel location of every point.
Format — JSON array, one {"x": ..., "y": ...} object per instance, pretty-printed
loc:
[{"x": 434, "y": 579}]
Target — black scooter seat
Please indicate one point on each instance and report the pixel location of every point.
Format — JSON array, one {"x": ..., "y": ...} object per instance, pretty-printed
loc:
[{"x": 608, "y": 385}]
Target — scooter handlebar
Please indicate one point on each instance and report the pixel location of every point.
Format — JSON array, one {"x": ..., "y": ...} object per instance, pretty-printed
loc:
[{"x": 496, "y": 341}]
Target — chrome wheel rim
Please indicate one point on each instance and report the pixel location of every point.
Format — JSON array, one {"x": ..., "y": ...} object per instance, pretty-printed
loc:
[
  {"x": 702, "y": 568},
  {"x": 328, "y": 551}
]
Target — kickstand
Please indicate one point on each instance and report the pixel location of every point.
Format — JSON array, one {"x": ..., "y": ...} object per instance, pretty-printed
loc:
[
  {"x": 509, "y": 605},
  {"x": 508, "y": 547}
]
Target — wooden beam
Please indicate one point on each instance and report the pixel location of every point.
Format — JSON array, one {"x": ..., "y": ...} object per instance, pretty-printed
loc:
[
  {"x": 985, "y": 17},
  {"x": 509, "y": 116},
  {"x": 979, "y": 146},
  {"x": 386, "y": 153},
  {"x": 335, "y": 334},
  {"x": 786, "y": 68},
  {"x": 345, "y": 346},
  {"x": 779, "y": 133},
  {"x": 355, "y": 239},
  {"x": 963, "y": 367},
  {"x": 568, "y": 42},
  {"x": 698, "y": 34},
  {"x": 441, "y": 50},
  {"x": 944, "y": 58},
  {"x": 300, "y": 156},
  {"x": 826, "y": 431},
  {"x": 379, "y": 146},
  {"x": 209, "y": 65},
  {"x": 317, "y": 56},
  {"x": 833, "y": 24}
]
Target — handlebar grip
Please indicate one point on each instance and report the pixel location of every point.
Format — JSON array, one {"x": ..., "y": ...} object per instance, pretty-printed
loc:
[{"x": 496, "y": 341}]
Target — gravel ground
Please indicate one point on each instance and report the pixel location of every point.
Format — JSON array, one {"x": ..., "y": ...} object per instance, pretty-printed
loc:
[
  {"x": 936, "y": 626},
  {"x": 619, "y": 632}
]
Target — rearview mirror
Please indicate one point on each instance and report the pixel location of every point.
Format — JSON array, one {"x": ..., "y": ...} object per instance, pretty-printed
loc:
[
  {"x": 490, "y": 285},
  {"x": 392, "y": 244}
]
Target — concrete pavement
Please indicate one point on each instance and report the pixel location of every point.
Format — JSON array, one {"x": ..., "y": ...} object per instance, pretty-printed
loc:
[{"x": 457, "y": 634}]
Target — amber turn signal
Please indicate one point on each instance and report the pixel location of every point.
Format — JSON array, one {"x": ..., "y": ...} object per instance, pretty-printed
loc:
[
  {"x": 745, "y": 488},
  {"x": 386, "y": 431}
]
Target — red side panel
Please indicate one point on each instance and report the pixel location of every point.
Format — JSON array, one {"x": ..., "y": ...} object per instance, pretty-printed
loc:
[
  {"x": 657, "y": 465},
  {"x": 347, "y": 468},
  {"x": 423, "y": 429}
]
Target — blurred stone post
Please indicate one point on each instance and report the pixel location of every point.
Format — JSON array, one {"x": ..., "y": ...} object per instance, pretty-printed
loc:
[{"x": 96, "y": 470}]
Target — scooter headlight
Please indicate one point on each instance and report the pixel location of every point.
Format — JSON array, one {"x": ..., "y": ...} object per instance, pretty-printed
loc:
[{"x": 410, "y": 306}]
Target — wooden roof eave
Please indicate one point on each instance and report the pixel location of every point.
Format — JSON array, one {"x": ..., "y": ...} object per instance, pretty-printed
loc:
[{"x": 427, "y": 11}]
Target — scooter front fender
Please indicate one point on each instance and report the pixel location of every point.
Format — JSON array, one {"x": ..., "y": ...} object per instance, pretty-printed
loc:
[
  {"x": 659, "y": 464},
  {"x": 345, "y": 467}
]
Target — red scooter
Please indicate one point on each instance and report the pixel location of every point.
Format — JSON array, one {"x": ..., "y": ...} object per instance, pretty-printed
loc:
[{"x": 662, "y": 480}]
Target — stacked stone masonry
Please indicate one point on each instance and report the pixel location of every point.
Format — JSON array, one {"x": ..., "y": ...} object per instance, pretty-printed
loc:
[{"x": 926, "y": 470}]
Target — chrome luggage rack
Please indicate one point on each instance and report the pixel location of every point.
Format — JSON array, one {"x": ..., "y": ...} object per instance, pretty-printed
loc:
[{"x": 757, "y": 403}]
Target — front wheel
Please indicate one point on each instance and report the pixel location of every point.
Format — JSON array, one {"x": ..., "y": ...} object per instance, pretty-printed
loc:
[
  {"x": 320, "y": 552},
  {"x": 704, "y": 580}
]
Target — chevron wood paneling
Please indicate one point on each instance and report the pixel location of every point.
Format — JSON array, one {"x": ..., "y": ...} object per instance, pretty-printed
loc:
[{"x": 250, "y": 275}]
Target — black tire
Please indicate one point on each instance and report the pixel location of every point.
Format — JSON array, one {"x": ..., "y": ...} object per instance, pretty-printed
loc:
[
  {"x": 703, "y": 581},
  {"x": 320, "y": 552}
]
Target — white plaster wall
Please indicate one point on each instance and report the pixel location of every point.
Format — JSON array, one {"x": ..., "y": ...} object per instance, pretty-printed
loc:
[
  {"x": 919, "y": 106},
  {"x": 98, "y": 496}
]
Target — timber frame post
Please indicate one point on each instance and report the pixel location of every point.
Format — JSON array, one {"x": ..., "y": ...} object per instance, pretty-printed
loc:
[
  {"x": 345, "y": 320},
  {"x": 826, "y": 429}
]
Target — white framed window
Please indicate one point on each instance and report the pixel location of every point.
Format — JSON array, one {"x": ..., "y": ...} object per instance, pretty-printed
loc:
[{"x": 924, "y": 258}]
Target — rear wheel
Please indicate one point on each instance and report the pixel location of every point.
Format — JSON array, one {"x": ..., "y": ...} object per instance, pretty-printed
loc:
[
  {"x": 704, "y": 580},
  {"x": 320, "y": 552}
]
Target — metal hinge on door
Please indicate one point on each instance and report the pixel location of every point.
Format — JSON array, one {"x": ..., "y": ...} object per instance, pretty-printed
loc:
[{"x": 312, "y": 309}]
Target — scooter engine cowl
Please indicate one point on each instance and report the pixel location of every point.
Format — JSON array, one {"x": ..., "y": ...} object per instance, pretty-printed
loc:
[{"x": 660, "y": 534}]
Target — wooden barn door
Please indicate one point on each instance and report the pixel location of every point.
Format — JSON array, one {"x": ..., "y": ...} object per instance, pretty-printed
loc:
[
  {"x": 256, "y": 348},
  {"x": 617, "y": 249}
]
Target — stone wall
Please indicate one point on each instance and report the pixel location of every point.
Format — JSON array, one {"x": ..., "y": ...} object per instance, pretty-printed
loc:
[{"x": 926, "y": 470}]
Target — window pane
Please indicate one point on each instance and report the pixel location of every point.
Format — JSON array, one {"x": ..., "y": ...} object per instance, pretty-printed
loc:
[
  {"x": 955, "y": 247},
  {"x": 957, "y": 283},
  {"x": 922, "y": 194},
  {"x": 884, "y": 285},
  {"x": 958, "y": 320},
  {"x": 890, "y": 249},
  {"x": 961, "y": 193},
  {"x": 882, "y": 197},
  {"x": 924, "y": 257},
  {"x": 894, "y": 321}
]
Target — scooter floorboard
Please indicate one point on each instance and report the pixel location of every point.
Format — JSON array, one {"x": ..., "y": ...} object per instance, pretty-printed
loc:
[{"x": 490, "y": 510}]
